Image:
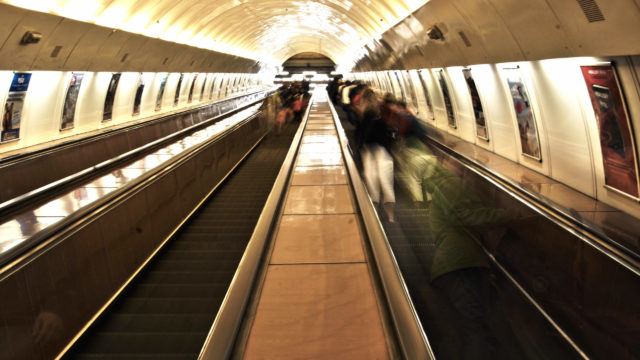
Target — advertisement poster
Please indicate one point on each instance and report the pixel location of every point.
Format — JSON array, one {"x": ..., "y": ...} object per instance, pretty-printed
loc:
[
  {"x": 163, "y": 85},
  {"x": 529, "y": 140},
  {"x": 427, "y": 96},
  {"x": 70, "y": 101},
  {"x": 193, "y": 86},
  {"x": 214, "y": 81},
  {"x": 448, "y": 104},
  {"x": 176, "y": 98},
  {"x": 111, "y": 96},
  {"x": 403, "y": 95},
  {"x": 12, "y": 113},
  {"x": 137, "y": 100},
  {"x": 412, "y": 90},
  {"x": 204, "y": 85},
  {"x": 476, "y": 102},
  {"x": 616, "y": 139}
]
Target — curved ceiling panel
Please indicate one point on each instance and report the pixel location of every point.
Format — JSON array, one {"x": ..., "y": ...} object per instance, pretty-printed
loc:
[{"x": 266, "y": 30}]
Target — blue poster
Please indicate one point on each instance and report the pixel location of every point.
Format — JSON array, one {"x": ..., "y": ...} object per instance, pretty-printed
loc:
[{"x": 12, "y": 112}]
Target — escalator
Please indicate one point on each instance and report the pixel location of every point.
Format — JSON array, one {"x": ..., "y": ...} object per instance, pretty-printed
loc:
[
  {"x": 167, "y": 310},
  {"x": 538, "y": 288}
]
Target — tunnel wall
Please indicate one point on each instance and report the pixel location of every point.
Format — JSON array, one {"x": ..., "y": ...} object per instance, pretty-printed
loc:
[
  {"x": 567, "y": 126},
  {"x": 497, "y": 31},
  {"x": 78, "y": 46},
  {"x": 45, "y": 98}
]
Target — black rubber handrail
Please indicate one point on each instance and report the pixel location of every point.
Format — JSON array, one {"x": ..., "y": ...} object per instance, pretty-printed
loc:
[
  {"x": 13, "y": 205},
  {"x": 556, "y": 213},
  {"x": 27, "y": 155}
]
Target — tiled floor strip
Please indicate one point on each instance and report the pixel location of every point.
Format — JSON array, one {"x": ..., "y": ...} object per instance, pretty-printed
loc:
[{"x": 318, "y": 299}]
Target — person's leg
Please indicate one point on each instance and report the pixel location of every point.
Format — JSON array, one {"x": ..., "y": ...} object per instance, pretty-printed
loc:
[
  {"x": 371, "y": 177},
  {"x": 425, "y": 168},
  {"x": 384, "y": 163},
  {"x": 410, "y": 177}
]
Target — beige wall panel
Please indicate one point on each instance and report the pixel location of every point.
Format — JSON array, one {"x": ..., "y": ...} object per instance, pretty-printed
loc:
[
  {"x": 617, "y": 35},
  {"x": 397, "y": 43},
  {"x": 535, "y": 28},
  {"x": 181, "y": 59},
  {"x": 89, "y": 45},
  {"x": 14, "y": 56},
  {"x": 454, "y": 23},
  {"x": 203, "y": 61},
  {"x": 160, "y": 56},
  {"x": 198, "y": 60},
  {"x": 9, "y": 17},
  {"x": 132, "y": 54},
  {"x": 488, "y": 26},
  {"x": 66, "y": 35},
  {"x": 447, "y": 51},
  {"x": 103, "y": 59},
  {"x": 413, "y": 59},
  {"x": 193, "y": 59}
]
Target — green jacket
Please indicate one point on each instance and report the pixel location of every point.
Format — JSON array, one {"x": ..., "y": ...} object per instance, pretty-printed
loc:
[{"x": 454, "y": 213}]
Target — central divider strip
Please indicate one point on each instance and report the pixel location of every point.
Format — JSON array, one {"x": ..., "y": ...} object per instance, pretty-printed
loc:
[{"x": 221, "y": 337}]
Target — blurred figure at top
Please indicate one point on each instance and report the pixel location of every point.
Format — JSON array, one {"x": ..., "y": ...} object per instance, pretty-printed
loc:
[
  {"x": 376, "y": 159},
  {"x": 415, "y": 162}
]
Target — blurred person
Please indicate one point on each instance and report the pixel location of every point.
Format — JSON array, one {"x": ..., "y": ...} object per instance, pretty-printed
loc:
[
  {"x": 415, "y": 161},
  {"x": 297, "y": 107},
  {"x": 460, "y": 268},
  {"x": 376, "y": 159}
]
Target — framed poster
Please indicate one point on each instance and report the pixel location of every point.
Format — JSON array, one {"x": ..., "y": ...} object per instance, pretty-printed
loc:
[
  {"x": 107, "y": 113},
  {"x": 70, "y": 101},
  {"x": 403, "y": 96},
  {"x": 448, "y": 102},
  {"x": 163, "y": 85},
  {"x": 176, "y": 97},
  {"x": 427, "y": 97},
  {"x": 204, "y": 85},
  {"x": 214, "y": 80},
  {"x": 412, "y": 90},
  {"x": 476, "y": 102},
  {"x": 615, "y": 131},
  {"x": 12, "y": 113},
  {"x": 193, "y": 86},
  {"x": 137, "y": 100},
  {"x": 529, "y": 140}
]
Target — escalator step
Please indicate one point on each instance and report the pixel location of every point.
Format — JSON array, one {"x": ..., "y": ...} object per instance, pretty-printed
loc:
[
  {"x": 147, "y": 343},
  {"x": 169, "y": 306},
  {"x": 136, "y": 323}
]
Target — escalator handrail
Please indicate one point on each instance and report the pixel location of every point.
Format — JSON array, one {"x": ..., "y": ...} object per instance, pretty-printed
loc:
[
  {"x": 413, "y": 341},
  {"x": 222, "y": 335},
  {"x": 47, "y": 238},
  {"x": 107, "y": 132},
  {"x": 588, "y": 233},
  {"x": 11, "y": 205}
]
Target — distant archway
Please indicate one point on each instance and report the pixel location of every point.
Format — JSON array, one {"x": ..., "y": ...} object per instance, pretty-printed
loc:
[{"x": 308, "y": 61}]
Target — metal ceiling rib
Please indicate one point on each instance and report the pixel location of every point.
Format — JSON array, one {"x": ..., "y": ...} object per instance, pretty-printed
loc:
[{"x": 265, "y": 30}]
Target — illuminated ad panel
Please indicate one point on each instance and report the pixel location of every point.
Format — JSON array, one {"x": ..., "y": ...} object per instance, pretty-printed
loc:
[{"x": 616, "y": 140}]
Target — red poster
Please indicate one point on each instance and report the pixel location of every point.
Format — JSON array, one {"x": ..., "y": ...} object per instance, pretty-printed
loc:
[{"x": 616, "y": 139}]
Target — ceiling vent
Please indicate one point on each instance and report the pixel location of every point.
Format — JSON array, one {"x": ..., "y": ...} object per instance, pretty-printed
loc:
[
  {"x": 591, "y": 10},
  {"x": 464, "y": 38},
  {"x": 56, "y": 51}
]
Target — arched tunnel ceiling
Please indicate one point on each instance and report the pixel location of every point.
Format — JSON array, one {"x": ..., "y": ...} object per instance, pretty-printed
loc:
[{"x": 270, "y": 31}]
